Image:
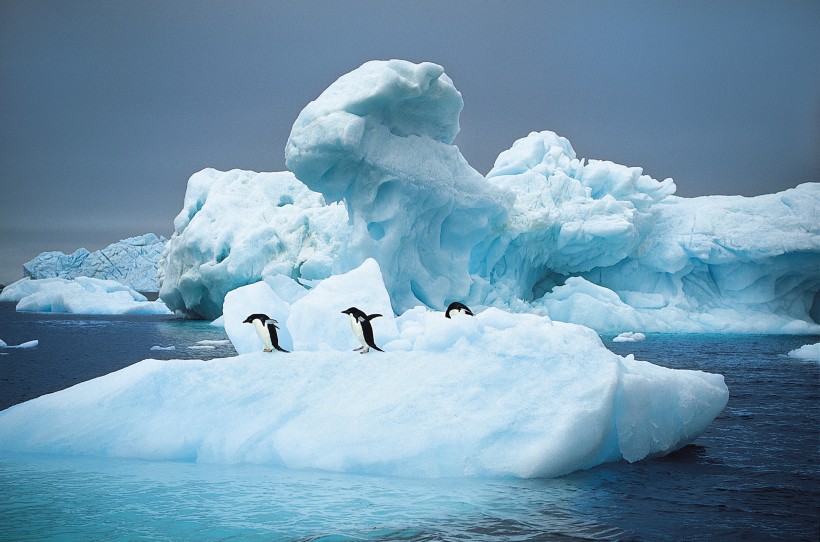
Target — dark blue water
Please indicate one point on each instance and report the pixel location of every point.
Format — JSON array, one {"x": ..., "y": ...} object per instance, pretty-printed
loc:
[{"x": 754, "y": 475}]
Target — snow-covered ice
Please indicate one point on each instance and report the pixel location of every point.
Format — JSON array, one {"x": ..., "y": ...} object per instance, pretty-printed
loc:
[
  {"x": 496, "y": 394},
  {"x": 808, "y": 351},
  {"x": 322, "y": 306},
  {"x": 82, "y": 295},
  {"x": 133, "y": 262}
]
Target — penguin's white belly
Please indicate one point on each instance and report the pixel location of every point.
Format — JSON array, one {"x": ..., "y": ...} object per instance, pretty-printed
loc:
[
  {"x": 357, "y": 330},
  {"x": 264, "y": 336}
]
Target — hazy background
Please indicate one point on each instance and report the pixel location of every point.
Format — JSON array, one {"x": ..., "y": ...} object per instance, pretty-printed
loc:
[{"x": 106, "y": 108}]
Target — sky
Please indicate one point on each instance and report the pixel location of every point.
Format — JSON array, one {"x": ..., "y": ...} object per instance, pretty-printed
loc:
[{"x": 108, "y": 107}]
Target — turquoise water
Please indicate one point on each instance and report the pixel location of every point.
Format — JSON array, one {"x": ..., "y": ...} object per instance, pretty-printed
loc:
[{"x": 754, "y": 474}]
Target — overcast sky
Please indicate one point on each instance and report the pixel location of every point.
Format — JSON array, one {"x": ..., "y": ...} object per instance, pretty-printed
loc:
[{"x": 108, "y": 107}]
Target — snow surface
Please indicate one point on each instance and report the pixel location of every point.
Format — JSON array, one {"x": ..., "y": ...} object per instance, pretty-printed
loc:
[
  {"x": 496, "y": 394},
  {"x": 82, "y": 295},
  {"x": 133, "y": 262},
  {"x": 809, "y": 352},
  {"x": 590, "y": 242}
]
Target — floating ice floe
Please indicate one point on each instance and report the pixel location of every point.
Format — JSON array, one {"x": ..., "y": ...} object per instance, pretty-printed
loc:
[
  {"x": 629, "y": 336},
  {"x": 82, "y": 295},
  {"x": 27, "y": 344},
  {"x": 168, "y": 348},
  {"x": 495, "y": 394},
  {"x": 809, "y": 352}
]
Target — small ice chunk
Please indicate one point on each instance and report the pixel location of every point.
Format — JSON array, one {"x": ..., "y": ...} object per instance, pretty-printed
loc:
[
  {"x": 629, "y": 337},
  {"x": 810, "y": 352},
  {"x": 29, "y": 344}
]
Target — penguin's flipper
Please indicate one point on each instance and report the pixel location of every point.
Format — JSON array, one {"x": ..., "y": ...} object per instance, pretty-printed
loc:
[{"x": 371, "y": 316}]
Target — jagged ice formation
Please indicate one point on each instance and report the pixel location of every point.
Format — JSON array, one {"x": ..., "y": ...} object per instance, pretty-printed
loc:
[
  {"x": 591, "y": 242},
  {"x": 132, "y": 262}
]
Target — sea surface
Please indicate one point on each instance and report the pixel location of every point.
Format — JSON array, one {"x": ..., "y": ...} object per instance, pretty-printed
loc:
[{"x": 754, "y": 474}]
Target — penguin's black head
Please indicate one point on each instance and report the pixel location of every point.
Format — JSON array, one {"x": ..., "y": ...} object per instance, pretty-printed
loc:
[
  {"x": 353, "y": 311},
  {"x": 256, "y": 316}
]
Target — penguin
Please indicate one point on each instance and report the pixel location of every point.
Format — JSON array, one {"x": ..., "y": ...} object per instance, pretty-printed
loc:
[
  {"x": 360, "y": 322},
  {"x": 457, "y": 307},
  {"x": 266, "y": 329}
]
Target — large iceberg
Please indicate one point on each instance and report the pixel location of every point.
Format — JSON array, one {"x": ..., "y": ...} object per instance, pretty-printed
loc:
[
  {"x": 133, "y": 262},
  {"x": 82, "y": 295},
  {"x": 497, "y": 394},
  {"x": 585, "y": 241}
]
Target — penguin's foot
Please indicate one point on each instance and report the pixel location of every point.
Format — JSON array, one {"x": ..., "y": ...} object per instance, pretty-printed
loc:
[
  {"x": 365, "y": 351},
  {"x": 357, "y": 349},
  {"x": 268, "y": 350}
]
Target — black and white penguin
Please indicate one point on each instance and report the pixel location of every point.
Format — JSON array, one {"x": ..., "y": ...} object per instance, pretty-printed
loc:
[
  {"x": 360, "y": 322},
  {"x": 455, "y": 306},
  {"x": 266, "y": 329}
]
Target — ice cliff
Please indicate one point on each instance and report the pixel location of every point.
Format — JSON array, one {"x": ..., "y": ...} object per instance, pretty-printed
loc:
[
  {"x": 591, "y": 242},
  {"x": 132, "y": 262}
]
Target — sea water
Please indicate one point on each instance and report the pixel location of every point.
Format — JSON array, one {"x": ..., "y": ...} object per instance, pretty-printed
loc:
[{"x": 753, "y": 475}]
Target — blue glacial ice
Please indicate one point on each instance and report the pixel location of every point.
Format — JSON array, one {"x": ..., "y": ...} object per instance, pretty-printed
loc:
[
  {"x": 238, "y": 227},
  {"x": 584, "y": 241},
  {"x": 133, "y": 262},
  {"x": 497, "y": 394},
  {"x": 380, "y": 139}
]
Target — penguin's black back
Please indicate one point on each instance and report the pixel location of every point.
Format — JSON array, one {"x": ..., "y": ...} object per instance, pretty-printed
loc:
[{"x": 456, "y": 306}]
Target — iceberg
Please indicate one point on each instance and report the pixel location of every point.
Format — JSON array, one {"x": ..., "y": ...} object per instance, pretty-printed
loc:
[
  {"x": 629, "y": 337},
  {"x": 495, "y": 394},
  {"x": 545, "y": 232},
  {"x": 82, "y": 295},
  {"x": 27, "y": 344},
  {"x": 809, "y": 351},
  {"x": 133, "y": 262},
  {"x": 237, "y": 228}
]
